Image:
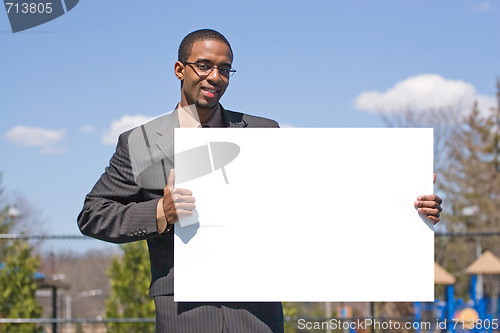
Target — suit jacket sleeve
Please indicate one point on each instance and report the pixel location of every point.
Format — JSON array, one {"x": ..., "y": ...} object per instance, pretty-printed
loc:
[{"x": 117, "y": 210}]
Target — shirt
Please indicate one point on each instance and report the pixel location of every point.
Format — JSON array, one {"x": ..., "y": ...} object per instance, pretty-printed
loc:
[{"x": 188, "y": 118}]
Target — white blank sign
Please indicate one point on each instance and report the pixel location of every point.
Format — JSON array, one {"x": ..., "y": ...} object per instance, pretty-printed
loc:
[{"x": 307, "y": 215}]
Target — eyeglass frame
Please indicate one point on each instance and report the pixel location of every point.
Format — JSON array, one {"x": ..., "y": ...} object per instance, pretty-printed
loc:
[{"x": 231, "y": 70}]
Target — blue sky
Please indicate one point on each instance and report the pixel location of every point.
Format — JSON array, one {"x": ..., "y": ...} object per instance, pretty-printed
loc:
[{"x": 303, "y": 63}]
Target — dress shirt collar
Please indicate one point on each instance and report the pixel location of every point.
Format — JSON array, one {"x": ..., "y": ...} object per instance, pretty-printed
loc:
[{"x": 188, "y": 117}]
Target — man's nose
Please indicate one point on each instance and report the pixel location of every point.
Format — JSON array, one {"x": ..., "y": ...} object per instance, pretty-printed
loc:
[{"x": 214, "y": 75}]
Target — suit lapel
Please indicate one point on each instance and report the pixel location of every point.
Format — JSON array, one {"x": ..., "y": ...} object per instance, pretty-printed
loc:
[
  {"x": 164, "y": 135},
  {"x": 233, "y": 119},
  {"x": 164, "y": 131}
]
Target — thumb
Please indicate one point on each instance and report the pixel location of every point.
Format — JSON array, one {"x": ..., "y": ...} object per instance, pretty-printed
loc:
[{"x": 171, "y": 179}]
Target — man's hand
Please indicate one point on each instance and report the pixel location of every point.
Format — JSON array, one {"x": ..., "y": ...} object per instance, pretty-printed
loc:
[
  {"x": 430, "y": 206},
  {"x": 177, "y": 202}
]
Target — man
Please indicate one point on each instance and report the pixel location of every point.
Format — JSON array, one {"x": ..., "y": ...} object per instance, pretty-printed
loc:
[{"x": 136, "y": 199}]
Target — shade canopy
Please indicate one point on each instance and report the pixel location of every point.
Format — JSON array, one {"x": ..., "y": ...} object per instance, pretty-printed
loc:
[
  {"x": 441, "y": 276},
  {"x": 487, "y": 263}
]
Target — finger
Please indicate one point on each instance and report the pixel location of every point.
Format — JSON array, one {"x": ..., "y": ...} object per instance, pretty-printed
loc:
[
  {"x": 429, "y": 211},
  {"x": 431, "y": 197},
  {"x": 430, "y": 214},
  {"x": 428, "y": 204},
  {"x": 182, "y": 198},
  {"x": 433, "y": 219},
  {"x": 171, "y": 179},
  {"x": 434, "y": 177},
  {"x": 184, "y": 213},
  {"x": 184, "y": 206},
  {"x": 181, "y": 192}
]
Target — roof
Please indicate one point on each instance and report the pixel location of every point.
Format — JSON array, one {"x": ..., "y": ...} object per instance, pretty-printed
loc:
[
  {"x": 487, "y": 263},
  {"x": 44, "y": 282},
  {"x": 441, "y": 276}
]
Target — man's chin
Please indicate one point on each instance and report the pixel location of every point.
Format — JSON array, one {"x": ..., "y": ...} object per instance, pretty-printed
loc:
[{"x": 206, "y": 106}]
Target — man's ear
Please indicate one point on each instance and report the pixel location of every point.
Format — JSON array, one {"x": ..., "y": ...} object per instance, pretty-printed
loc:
[{"x": 179, "y": 70}]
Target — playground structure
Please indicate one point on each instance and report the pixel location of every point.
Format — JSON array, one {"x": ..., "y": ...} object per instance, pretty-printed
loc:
[{"x": 479, "y": 314}]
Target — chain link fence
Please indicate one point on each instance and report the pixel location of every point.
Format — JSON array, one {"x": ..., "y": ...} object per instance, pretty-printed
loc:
[
  {"x": 73, "y": 287},
  {"x": 72, "y": 283}
]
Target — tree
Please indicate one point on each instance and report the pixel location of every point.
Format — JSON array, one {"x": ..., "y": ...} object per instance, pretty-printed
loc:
[
  {"x": 18, "y": 266},
  {"x": 471, "y": 182},
  {"x": 130, "y": 276},
  {"x": 291, "y": 311},
  {"x": 444, "y": 121},
  {"x": 468, "y": 167},
  {"x": 467, "y": 156}
]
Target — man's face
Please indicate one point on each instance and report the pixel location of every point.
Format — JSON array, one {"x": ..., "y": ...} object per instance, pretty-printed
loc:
[{"x": 204, "y": 90}]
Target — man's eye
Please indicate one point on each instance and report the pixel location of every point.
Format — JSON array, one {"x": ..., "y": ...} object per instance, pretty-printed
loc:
[
  {"x": 224, "y": 70},
  {"x": 203, "y": 67}
]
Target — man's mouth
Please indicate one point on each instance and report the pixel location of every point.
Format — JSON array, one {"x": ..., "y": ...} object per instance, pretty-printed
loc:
[{"x": 210, "y": 92}]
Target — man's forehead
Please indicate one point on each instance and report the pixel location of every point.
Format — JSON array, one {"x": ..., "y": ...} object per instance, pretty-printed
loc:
[{"x": 211, "y": 49}]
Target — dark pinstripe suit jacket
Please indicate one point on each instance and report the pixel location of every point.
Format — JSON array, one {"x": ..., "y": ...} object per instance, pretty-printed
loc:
[{"x": 122, "y": 208}]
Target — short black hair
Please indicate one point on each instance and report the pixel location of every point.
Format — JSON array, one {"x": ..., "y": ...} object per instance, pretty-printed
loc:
[{"x": 203, "y": 34}]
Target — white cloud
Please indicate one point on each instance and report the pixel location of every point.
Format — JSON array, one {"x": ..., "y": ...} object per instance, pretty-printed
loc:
[
  {"x": 110, "y": 136},
  {"x": 34, "y": 136},
  {"x": 424, "y": 92},
  {"x": 87, "y": 129},
  {"x": 482, "y": 7},
  {"x": 486, "y": 103}
]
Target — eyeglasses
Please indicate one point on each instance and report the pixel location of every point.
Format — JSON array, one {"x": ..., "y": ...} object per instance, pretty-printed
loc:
[{"x": 205, "y": 70}]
